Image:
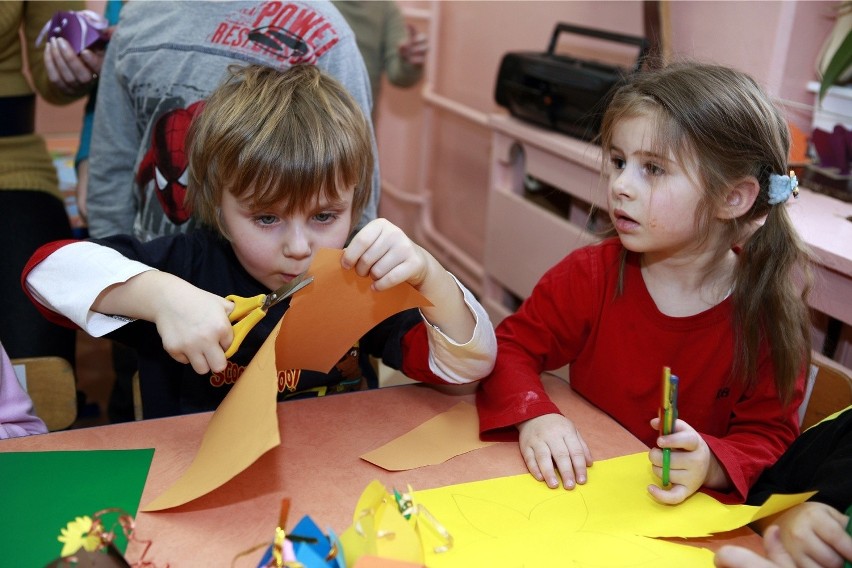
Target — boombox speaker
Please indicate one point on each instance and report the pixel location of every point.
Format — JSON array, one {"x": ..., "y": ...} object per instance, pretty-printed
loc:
[{"x": 561, "y": 92}]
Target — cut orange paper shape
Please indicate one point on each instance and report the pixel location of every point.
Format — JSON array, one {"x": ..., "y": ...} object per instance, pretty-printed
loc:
[
  {"x": 243, "y": 428},
  {"x": 326, "y": 318},
  {"x": 323, "y": 321},
  {"x": 445, "y": 436}
]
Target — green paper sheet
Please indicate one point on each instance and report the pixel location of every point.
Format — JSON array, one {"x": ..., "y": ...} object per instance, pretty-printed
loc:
[{"x": 40, "y": 492}]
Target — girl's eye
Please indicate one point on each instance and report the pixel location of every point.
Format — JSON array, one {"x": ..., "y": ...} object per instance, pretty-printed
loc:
[
  {"x": 617, "y": 162},
  {"x": 654, "y": 169}
]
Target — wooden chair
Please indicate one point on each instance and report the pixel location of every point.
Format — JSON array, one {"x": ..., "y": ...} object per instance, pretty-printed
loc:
[
  {"x": 137, "y": 397},
  {"x": 828, "y": 390},
  {"x": 52, "y": 388}
]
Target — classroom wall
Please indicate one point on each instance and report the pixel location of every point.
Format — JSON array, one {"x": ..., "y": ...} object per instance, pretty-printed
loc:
[{"x": 434, "y": 140}]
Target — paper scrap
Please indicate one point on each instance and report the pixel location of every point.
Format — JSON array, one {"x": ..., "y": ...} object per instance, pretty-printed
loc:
[
  {"x": 447, "y": 435},
  {"x": 329, "y": 316}
]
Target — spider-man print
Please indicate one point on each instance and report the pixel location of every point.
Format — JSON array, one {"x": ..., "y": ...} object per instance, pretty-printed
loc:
[{"x": 166, "y": 161}]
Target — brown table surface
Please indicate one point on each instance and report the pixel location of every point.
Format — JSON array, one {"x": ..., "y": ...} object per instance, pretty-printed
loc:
[{"x": 316, "y": 466}]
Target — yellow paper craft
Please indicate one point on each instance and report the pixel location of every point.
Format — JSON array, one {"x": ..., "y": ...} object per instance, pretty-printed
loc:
[
  {"x": 492, "y": 520},
  {"x": 447, "y": 435},
  {"x": 379, "y": 529},
  {"x": 243, "y": 428},
  {"x": 328, "y": 317}
]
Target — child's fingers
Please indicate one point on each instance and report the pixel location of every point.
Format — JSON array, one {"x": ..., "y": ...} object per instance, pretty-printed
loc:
[
  {"x": 532, "y": 463},
  {"x": 362, "y": 241},
  {"x": 676, "y": 494}
]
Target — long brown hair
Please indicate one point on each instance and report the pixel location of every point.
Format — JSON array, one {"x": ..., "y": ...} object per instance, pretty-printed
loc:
[{"x": 723, "y": 122}]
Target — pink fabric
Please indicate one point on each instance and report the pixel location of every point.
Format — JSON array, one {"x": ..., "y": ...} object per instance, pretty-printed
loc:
[{"x": 16, "y": 408}]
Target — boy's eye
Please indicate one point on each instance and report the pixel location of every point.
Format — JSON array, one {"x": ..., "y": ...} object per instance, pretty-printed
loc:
[
  {"x": 266, "y": 219},
  {"x": 325, "y": 217}
]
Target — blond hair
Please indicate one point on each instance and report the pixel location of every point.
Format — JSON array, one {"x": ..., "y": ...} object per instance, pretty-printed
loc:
[
  {"x": 720, "y": 120},
  {"x": 276, "y": 137}
]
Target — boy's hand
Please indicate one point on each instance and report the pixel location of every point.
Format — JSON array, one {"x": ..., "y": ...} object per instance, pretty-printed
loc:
[
  {"x": 382, "y": 251},
  {"x": 549, "y": 439},
  {"x": 194, "y": 327},
  {"x": 693, "y": 465}
]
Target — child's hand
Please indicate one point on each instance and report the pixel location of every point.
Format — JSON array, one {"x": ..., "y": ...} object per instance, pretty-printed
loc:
[
  {"x": 691, "y": 463},
  {"x": 553, "y": 438},
  {"x": 814, "y": 534},
  {"x": 384, "y": 252},
  {"x": 730, "y": 556},
  {"x": 194, "y": 327}
]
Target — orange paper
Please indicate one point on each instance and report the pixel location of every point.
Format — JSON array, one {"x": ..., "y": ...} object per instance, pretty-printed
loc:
[
  {"x": 243, "y": 428},
  {"x": 327, "y": 317},
  {"x": 447, "y": 435},
  {"x": 323, "y": 321}
]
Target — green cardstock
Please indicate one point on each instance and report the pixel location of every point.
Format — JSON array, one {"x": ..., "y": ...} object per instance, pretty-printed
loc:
[{"x": 41, "y": 492}]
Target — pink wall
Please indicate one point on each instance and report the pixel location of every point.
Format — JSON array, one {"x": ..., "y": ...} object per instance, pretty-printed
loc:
[{"x": 434, "y": 141}]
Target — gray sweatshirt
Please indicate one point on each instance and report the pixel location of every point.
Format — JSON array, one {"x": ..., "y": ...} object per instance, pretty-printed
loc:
[{"x": 165, "y": 56}]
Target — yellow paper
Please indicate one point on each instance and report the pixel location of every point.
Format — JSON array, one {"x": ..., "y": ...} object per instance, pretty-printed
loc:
[
  {"x": 447, "y": 435},
  {"x": 243, "y": 428},
  {"x": 490, "y": 519}
]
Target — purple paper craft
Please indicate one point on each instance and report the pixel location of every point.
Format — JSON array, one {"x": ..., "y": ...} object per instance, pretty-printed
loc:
[
  {"x": 834, "y": 149},
  {"x": 81, "y": 29}
]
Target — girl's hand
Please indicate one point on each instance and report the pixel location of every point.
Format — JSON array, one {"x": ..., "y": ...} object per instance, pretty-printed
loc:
[
  {"x": 194, "y": 327},
  {"x": 549, "y": 439},
  {"x": 691, "y": 463},
  {"x": 71, "y": 73},
  {"x": 384, "y": 252}
]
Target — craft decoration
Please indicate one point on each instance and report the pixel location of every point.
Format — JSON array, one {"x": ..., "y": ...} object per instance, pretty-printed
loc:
[
  {"x": 90, "y": 541},
  {"x": 83, "y": 29},
  {"x": 304, "y": 547},
  {"x": 323, "y": 321},
  {"x": 394, "y": 526},
  {"x": 447, "y": 435}
]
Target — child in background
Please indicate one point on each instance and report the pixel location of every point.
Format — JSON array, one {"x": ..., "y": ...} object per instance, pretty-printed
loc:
[
  {"x": 280, "y": 166},
  {"x": 16, "y": 408},
  {"x": 813, "y": 533},
  {"x": 699, "y": 279}
]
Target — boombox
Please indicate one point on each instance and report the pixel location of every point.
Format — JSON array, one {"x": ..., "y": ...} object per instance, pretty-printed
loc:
[{"x": 561, "y": 92}]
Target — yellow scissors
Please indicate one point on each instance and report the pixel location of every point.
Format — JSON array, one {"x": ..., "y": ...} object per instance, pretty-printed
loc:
[{"x": 248, "y": 311}]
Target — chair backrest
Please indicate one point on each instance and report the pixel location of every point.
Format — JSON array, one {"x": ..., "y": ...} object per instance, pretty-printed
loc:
[
  {"x": 51, "y": 386},
  {"x": 829, "y": 389}
]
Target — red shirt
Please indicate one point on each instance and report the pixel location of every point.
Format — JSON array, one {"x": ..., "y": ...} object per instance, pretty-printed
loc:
[{"x": 616, "y": 346}]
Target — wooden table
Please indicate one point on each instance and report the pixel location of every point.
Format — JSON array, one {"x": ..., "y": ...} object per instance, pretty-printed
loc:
[{"x": 316, "y": 466}]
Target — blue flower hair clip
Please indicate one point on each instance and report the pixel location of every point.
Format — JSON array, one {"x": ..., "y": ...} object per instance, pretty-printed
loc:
[{"x": 780, "y": 187}]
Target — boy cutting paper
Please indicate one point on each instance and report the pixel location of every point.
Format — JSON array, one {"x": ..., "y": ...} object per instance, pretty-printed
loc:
[{"x": 280, "y": 166}]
